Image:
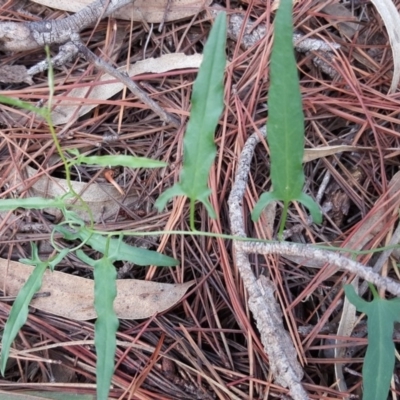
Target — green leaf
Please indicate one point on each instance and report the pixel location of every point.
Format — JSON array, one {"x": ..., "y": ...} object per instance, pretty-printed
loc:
[
  {"x": 44, "y": 112},
  {"x": 20, "y": 308},
  {"x": 199, "y": 149},
  {"x": 121, "y": 160},
  {"x": 105, "y": 292},
  {"x": 118, "y": 250},
  {"x": 285, "y": 124},
  {"x": 36, "y": 203},
  {"x": 380, "y": 357}
]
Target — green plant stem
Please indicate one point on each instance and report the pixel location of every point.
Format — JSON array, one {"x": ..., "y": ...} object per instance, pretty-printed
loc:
[
  {"x": 242, "y": 239},
  {"x": 191, "y": 216},
  {"x": 283, "y": 220},
  {"x": 58, "y": 145}
]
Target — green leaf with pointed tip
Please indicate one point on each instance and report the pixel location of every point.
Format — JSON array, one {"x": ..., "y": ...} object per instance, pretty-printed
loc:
[
  {"x": 285, "y": 124},
  {"x": 105, "y": 292},
  {"x": 120, "y": 160},
  {"x": 118, "y": 250},
  {"x": 199, "y": 149},
  {"x": 20, "y": 308},
  {"x": 380, "y": 356},
  {"x": 312, "y": 206},
  {"x": 44, "y": 112},
  {"x": 36, "y": 203},
  {"x": 262, "y": 202}
]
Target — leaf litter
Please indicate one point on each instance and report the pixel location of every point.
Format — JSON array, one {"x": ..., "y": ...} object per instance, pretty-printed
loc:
[{"x": 353, "y": 110}]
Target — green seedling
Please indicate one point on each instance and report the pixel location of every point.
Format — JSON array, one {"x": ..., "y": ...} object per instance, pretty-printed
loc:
[
  {"x": 199, "y": 149},
  {"x": 104, "y": 271},
  {"x": 106, "y": 326},
  {"x": 117, "y": 249},
  {"x": 285, "y": 126},
  {"x": 379, "y": 359},
  {"x": 116, "y": 161},
  {"x": 20, "y": 308}
]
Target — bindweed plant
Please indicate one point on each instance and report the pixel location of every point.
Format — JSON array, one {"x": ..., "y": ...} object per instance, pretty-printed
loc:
[
  {"x": 285, "y": 129},
  {"x": 285, "y": 126},
  {"x": 379, "y": 359},
  {"x": 73, "y": 229},
  {"x": 207, "y": 105},
  {"x": 199, "y": 155}
]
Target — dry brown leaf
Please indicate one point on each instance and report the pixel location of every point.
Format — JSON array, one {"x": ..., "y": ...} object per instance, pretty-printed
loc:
[
  {"x": 66, "y": 109},
  {"x": 103, "y": 198},
  {"x": 72, "y": 296},
  {"x": 339, "y": 12},
  {"x": 142, "y": 10},
  {"x": 324, "y": 151}
]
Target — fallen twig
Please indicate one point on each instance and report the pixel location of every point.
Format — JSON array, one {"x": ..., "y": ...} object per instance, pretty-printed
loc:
[
  {"x": 22, "y": 36},
  {"x": 285, "y": 368},
  {"x": 17, "y": 36}
]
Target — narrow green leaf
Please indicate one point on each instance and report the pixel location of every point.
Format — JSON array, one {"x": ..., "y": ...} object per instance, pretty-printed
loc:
[
  {"x": 285, "y": 124},
  {"x": 380, "y": 357},
  {"x": 118, "y": 250},
  {"x": 262, "y": 202},
  {"x": 20, "y": 308},
  {"x": 105, "y": 292},
  {"x": 36, "y": 203},
  {"x": 121, "y": 160},
  {"x": 24, "y": 105},
  {"x": 199, "y": 149},
  {"x": 312, "y": 206}
]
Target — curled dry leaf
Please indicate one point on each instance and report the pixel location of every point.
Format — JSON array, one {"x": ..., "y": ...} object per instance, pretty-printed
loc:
[
  {"x": 142, "y": 10},
  {"x": 103, "y": 198},
  {"x": 391, "y": 18},
  {"x": 67, "y": 109},
  {"x": 72, "y": 296}
]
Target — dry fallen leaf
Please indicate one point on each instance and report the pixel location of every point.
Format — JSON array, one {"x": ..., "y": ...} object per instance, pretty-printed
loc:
[
  {"x": 142, "y": 10},
  {"x": 103, "y": 198},
  {"x": 66, "y": 109},
  {"x": 339, "y": 14},
  {"x": 324, "y": 151},
  {"x": 72, "y": 296}
]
